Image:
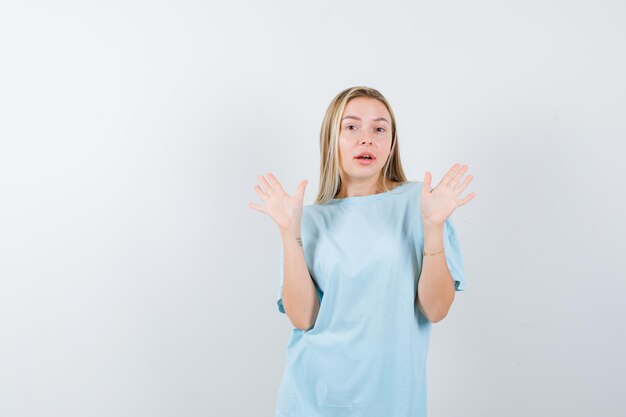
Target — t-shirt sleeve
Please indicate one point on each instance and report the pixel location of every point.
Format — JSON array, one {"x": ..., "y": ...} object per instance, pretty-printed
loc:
[{"x": 452, "y": 250}]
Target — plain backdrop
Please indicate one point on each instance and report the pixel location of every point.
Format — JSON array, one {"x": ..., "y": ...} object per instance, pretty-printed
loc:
[{"x": 136, "y": 281}]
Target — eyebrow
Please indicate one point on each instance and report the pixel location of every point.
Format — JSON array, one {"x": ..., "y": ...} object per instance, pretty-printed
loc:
[{"x": 358, "y": 118}]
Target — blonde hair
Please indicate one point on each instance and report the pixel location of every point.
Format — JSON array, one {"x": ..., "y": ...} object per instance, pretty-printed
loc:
[{"x": 330, "y": 180}]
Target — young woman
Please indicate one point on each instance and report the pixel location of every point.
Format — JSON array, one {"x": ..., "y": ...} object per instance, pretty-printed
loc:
[{"x": 365, "y": 270}]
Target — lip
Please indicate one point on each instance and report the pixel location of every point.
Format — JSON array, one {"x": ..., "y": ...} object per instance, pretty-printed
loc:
[
  {"x": 366, "y": 153},
  {"x": 365, "y": 161}
]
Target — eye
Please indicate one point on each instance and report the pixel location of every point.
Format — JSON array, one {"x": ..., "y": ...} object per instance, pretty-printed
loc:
[
  {"x": 349, "y": 126},
  {"x": 383, "y": 129}
]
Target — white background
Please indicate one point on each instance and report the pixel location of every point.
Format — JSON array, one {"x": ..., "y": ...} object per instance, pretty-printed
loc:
[{"x": 136, "y": 281}]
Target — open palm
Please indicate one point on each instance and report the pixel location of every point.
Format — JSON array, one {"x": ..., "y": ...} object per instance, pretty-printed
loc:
[
  {"x": 285, "y": 210},
  {"x": 439, "y": 203}
]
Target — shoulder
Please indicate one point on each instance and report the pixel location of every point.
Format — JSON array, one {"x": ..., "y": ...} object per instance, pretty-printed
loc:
[
  {"x": 412, "y": 189},
  {"x": 414, "y": 193},
  {"x": 407, "y": 184},
  {"x": 414, "y": 184},
  {"x": 313, "y": 213},
  {"x": 310, "y": 215}
]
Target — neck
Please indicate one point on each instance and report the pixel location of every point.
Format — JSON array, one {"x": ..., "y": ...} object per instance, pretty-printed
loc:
[{"x": 359, "y": 189}]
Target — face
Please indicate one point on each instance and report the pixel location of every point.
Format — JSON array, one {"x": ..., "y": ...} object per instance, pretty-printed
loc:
[{"x": 365, "y": 127}]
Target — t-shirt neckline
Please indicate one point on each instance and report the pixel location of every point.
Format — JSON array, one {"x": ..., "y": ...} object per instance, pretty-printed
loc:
[{"x": 364, "y": 198}]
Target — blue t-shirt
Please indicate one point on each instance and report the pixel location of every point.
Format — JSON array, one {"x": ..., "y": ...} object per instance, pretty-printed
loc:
[{"x": 365, "y": 355}]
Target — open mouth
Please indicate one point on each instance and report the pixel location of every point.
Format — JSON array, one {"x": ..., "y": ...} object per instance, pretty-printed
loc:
[
  {"x": 365, "y": 159},
  {"x": 365, "y": 156}
]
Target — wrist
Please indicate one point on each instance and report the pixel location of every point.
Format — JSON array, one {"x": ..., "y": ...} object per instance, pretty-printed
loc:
[
  {"x": 430, "y": 227},
  {"x": 290, "y": 233},
  {"x": 433, "y": 239}
]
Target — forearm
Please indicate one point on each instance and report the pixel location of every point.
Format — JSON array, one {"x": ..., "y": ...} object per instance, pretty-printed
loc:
[
  {"x": 435, "y": 291},
  {"x": 299, "y": 293}
]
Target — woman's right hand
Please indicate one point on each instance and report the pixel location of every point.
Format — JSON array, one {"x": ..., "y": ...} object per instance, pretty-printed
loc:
[{"x": 285, "y": 210}]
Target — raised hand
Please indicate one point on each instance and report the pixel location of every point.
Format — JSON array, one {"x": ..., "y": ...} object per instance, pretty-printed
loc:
[
  {"x": 439, "y": 203},
  {"x": 285, "y": 210}
]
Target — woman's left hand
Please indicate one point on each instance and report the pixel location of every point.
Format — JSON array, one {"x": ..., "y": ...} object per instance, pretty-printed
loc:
[{"x": 439, "y": 203}]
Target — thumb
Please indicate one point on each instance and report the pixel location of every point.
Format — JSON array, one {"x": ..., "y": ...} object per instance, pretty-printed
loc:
[
  {"x": 301, "y": 188},
  {"x": 426, "y": 184}
]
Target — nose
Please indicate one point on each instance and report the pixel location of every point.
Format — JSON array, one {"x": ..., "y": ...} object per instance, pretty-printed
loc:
[{"x": 364, "y": 140}]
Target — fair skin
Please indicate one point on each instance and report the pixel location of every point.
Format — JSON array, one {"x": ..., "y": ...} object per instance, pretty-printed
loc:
[
  {"x": 299, "y": 294},
  {"x": 365, "y": 126},
  {"x": 435, "y": 290}
]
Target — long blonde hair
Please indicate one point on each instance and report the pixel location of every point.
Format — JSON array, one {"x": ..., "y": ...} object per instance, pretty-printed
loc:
[{"x": 330, "y": 180}]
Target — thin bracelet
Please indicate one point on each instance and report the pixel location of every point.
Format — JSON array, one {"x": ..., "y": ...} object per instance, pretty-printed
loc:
[{"x": 432, "y": 253}]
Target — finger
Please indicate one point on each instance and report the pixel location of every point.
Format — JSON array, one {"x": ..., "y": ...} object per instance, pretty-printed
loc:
[
  {"x": 261, "y": 193},
  {"x": 274, "y": 182},
  {"x": 256, "y": 207},
  {"x": 450, "y": 174},
  {"x": 458, "y": 175},
  {"x": 426, "y": 183},
  {"x": 301, "y": 188},
  {"x": 469, "y": 197},
  {"x": 267, "y": 187},
  {"x": 459, "y": 189}
]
